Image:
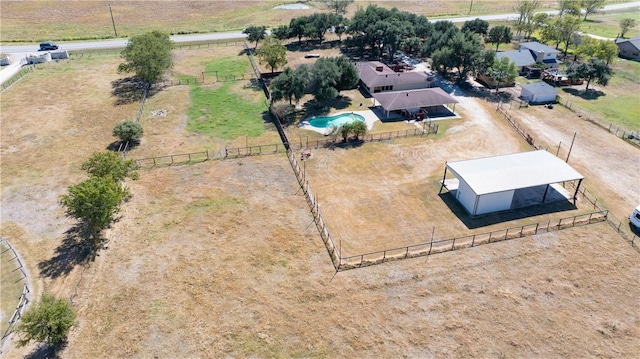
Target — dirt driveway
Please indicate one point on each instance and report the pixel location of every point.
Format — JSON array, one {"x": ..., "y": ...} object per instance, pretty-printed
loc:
[{"x": 611, "y": 166}]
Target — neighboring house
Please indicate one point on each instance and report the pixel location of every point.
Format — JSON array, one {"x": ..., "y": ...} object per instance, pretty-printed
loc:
[
  {"x": 538, "y": 92},
  {"x": 522, "y": 58},
  {"x": 377, "y": 77},
  {"x": 542, "y": 53},
  {"x": 629, "y": 48}
]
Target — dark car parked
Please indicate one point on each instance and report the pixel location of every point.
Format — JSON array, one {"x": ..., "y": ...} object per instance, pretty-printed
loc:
[{"x": 45, "y": 46}]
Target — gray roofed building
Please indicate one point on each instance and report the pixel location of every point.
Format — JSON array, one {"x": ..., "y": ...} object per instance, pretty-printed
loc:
[
  {"x": 629, "y": 48},
  {"x": 542, "y": 53},
  {"x": 519, "y": 57}
]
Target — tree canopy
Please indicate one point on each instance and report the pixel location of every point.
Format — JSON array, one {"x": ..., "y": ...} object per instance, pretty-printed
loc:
[
  {"x": 272, "y": 53},
  {"x": 594, "y": 48},
  {"x": 478, "y": 26},
  {"x": 626, "y": 24},
  {"x": 500, "y": 34},
  {"x": 128, "y": 131},
  {"x": 594, "y": 69},
  {"x": 255, "y": 33},
  {"x": 463, "y": 51},
  {"x": 148, "y": 56},
  {"x": 110, "y": 165},
  {"x": 591, "y": 7},
  {"x": 288, "y": 85},
  {"x": 503, "y": 71},
  {"x": 47, "y": 321},
  {"x": 339, "y": 6},
  {"x": 526, "y": 12}
]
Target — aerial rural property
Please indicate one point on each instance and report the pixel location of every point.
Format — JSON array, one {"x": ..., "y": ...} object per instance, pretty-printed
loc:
[{"x": 320, "y": 179}]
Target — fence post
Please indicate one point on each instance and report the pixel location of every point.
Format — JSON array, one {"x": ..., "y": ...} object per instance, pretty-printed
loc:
[
  {"x": 473, "y": 241},
  {"x": 453, "y": 244}
]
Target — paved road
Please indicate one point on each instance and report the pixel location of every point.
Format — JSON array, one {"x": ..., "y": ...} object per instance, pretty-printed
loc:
[{"x": 116, "y": 44}]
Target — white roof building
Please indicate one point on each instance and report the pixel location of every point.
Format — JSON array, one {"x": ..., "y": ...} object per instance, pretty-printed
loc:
[{"x": 488, "y": 184}]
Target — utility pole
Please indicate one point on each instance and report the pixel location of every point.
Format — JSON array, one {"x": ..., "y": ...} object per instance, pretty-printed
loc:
[
  {"x": 113, "y": 22},
  {"x": 570, "y": 147}
]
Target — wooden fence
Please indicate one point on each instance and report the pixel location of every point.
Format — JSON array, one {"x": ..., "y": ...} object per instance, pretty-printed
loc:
[
  {"x": 446, "y": 245},
  {"x": 202, "y": 156},
  {"x": 23, "y": 300}
]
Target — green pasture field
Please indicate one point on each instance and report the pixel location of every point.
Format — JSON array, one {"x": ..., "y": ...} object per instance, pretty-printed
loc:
[
  {"x": 220, "y": 111},
  {"x": 618, "y": 101},
  {"x": 607, "y": 24}
]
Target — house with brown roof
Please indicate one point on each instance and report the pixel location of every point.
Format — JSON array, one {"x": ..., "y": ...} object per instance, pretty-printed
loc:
[
  {"x": 377, "y": 77},
  {"x": 429, "y": 102}
]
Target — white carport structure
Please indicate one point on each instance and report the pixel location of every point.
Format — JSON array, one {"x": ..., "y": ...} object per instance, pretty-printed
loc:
[{"x": 488, "y": 184}]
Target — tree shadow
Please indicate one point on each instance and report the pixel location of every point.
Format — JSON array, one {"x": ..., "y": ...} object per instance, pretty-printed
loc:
[
  {"x": 77, "y": 247},
  {"x": 320, "y": 108},
  {"x": 589, "y": 94},
  {"x": 118, "y": 146},
  {"x": 44, "y": 350},
  {"x": 127, "y": 90}
]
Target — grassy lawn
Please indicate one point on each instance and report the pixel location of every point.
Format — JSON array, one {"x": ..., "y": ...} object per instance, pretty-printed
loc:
[
  {"x": 607, "y": 24},
  {"x": 220, "y": 110},
  {"x": 618, "y": 101}
]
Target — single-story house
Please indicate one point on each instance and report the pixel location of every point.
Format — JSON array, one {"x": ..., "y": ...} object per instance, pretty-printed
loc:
[
  {"x": 542, "y": 53},
  {"x": 377, "y": 77},
  {"x": 629, "y": 48},
  {"x": 429, "y": 100},
  {"x": 492, "y": 184},
  {"x": 538, "y": 92},
  {"x": 521, "y": 58}
]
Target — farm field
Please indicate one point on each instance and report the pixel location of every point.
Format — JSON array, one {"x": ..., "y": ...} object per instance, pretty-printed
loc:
[
  {"x": 33, "y": 21},
  {"x": 221, "y": 258}
]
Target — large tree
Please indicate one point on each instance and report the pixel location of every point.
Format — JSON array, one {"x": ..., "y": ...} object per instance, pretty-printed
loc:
[
  {"x": 526, "y": 11},
  {"x": 255, "y": 33},
  {"x": 626, "y": 24},
  {"x": 463, "y": 52},
  {"x": 272, "y": 53},
  {"x": 503, "y": 71},
  {"x": 500, "y": 34},
  {"x": 339, "y": 6},
  {"x": 567, "y": 26},
  {"x": 600, "y": 49},
  {"x": 128, "y": 131},
  {"x": 478, "y": 26},
  {"x": 348, "y": 73},
  {"x": 281, "y": 32},
  {"x": 47, "y": 321},
  {"x": 324, "y": 78},
  {"x": 148, "y": 56},
  {"x": 288, "y": 85},
  {"x": 571, "y": 7},
  {"x": 110, "y": 165},
  {"x": 591, "y": 6},
  {"x": 297, "y": 27},
  {"x": 593, "y": 69},
  {"x": 94, "y": 202}
]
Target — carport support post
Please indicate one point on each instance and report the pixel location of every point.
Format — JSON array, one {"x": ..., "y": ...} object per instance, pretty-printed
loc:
[
  {"x": 443, "y": 177},
  {"x": 544, "y": 196},
  {"x": 575, "y": 195}
]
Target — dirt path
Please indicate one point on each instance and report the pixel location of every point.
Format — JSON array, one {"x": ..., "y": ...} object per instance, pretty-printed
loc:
[{"x": 611, "y": 166}]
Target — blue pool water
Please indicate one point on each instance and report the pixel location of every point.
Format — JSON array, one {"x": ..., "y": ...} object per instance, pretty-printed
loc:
[{"x": 335, "y": 121}]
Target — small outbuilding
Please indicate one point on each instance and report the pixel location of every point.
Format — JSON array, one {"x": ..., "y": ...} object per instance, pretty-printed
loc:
[
  {"x": 538, "y": 92},
  {"x": 499, "y": 183}
]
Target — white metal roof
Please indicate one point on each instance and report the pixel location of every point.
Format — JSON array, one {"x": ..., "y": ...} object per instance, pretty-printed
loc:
[{"x": 514, "y": 171}]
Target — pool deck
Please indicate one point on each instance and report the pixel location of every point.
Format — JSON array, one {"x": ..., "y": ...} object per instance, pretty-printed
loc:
[{"x": 369, "y": 118}]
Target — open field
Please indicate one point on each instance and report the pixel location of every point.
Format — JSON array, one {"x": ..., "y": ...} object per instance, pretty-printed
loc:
[
  {"x": 221, "y": 259},
  {"x": 607, "y": 24},
  {"x": 33, "y": 21}
]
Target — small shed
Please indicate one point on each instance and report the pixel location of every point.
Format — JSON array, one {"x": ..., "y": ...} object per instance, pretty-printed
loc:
[
  {"x": 538, "y": 92},
  {"x": 491, "y": 184}
]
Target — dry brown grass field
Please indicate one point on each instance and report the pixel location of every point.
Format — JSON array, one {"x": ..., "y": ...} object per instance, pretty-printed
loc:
[
  {"x": 221, "y": 258},
  {"x": 33, "y": 21}
]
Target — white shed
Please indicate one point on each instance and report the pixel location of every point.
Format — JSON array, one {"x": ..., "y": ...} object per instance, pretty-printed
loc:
[
  {"x": 538, "y": 92},
  {"x": 488, "y": 185}
]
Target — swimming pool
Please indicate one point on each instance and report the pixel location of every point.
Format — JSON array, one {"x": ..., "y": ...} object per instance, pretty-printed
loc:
[{"x": 335, "y": 121}]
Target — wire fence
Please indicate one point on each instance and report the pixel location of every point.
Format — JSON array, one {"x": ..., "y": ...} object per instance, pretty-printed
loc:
[
  {"x": 630, "y": 136},
  {"x": 23, "y": 300},
  {"x": 117, "y": 52},
  {"x": 19, "y": 75},
  {"x": 451, "y": 244}
]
